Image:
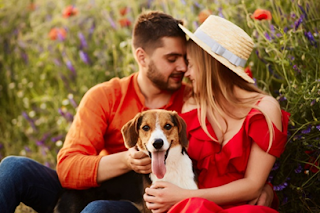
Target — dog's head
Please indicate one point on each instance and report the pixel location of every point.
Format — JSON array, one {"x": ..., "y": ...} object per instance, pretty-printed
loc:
[{"x": 155, "y": 132}]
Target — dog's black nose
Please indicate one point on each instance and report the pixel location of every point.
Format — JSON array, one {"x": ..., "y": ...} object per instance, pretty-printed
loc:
[{"x": 158, "y": 143}]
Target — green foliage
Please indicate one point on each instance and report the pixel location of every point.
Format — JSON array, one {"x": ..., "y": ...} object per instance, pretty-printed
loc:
[
  {"x": 42, "y": 80},
  {"x": 288, "y": 47}
]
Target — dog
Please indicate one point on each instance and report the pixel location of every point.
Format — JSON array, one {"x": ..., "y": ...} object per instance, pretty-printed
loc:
[{"x": 161, "y": 134}]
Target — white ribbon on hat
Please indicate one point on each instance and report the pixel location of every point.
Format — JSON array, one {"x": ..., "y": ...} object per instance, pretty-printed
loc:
[{"x": 219, "y": 49}]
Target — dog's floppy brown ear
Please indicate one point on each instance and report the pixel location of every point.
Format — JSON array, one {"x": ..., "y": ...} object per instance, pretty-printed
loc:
[
  {"x": 130, "y": 131},
  {"x": 182, "y": 127}
]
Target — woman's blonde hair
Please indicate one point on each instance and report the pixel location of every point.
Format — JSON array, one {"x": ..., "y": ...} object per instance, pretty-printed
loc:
[{"x": 215, "y": 86}]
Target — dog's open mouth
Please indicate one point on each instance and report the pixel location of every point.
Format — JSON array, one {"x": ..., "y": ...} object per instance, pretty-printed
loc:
[{"x": 158, "y": 162}]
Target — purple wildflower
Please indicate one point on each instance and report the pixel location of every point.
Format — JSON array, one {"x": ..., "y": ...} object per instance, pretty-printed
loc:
[
  {"x": 285, "y": 199},
  {"x": 113, "y": 25},
  {"x": 275, "y": 166},
  {"x": 57, "y": 62},
  {"x": 61, "y": 37},
  {"x": 310, "y": 38},
  {"x": 267, "y": 36},
  {"x": 307, "y": 130},
  {"x": 295, "y": 67},
  {"x": 183, "y": 2},
  {"x": 149, "y": 3},
  {"x": 312, "y": 102},
  {"x": 270, "y": 178},
  {"x": 220, "y": 12},
  {"x": 84, "y": 57},
  {"x": 303, "y": 11},
  {"x": 92, "y": 28},
  {"x": 55, "y": 139},
  {"x": 83, "y": 41},
  {"x": 41, "y": 142},
  {"x": 72, "y": 101},
  {"x": 25, "y": 57},
  {"x": 47, "y": 164},
  {"x": 258, "y": 54},
  {"x": 196, "y": 4},
  {"x": 30, "y": 120},
  {"x": 68, "y": 116},
  {"x": 298, "y": 22},
  {"x": 318, "y": 127},
  {"x": 281, "y": 186},
  {"x": 27, "y": 149},
  {"x": 298, "y": 169},
  {"x": 61, "y": 112},
  {"x": 282, "y": 98},
  {"x": 71, "y": 68}
]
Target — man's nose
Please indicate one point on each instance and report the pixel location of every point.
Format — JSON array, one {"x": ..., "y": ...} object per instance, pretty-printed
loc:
[{"x": 182, "y": 66}]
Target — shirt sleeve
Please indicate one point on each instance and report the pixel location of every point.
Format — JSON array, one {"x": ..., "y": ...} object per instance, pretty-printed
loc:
[{"x": 79, "y": 157}]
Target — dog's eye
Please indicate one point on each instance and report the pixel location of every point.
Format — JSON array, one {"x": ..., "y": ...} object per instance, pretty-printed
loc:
[
  {"x": 146, "y": 128},
  {"x": 167, "y": 126}
]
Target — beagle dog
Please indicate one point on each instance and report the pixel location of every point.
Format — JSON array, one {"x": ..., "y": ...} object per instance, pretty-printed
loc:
[{"x": 161, "y": 134}]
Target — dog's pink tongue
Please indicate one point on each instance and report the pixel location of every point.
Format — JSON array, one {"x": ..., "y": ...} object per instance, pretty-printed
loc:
[{"x": 158, "y": 167}]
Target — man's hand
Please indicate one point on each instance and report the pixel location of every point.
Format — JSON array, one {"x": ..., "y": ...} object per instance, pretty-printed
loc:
[
  {"x": 139, "y": 161},
  {"x": 265, "y": 198}
]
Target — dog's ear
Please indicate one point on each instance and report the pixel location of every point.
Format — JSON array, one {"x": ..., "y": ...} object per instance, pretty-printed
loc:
[
  {"x": 130, "y": 131},
  {"x": 182, "y": 128}
]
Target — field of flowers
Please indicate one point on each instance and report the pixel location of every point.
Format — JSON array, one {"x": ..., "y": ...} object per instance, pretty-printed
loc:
[{"x": 53, "y": 51}]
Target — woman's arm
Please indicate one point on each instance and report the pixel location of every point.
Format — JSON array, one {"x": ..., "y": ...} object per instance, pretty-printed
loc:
[
  {"x": 162, "y": 195},
  {"x": 259, "y": 166}
]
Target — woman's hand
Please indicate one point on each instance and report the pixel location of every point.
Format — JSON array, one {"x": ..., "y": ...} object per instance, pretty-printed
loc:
[
  {"x": 266, "y": 197},
  {"x": 138, "y": 161},
  {"x": 161, "y": 196}
]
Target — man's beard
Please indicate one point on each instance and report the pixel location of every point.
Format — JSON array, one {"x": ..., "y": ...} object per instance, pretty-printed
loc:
[{"x": 159, "y": 80}]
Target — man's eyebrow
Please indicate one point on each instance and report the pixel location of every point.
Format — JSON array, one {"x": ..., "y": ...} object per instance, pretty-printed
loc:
[{"x": 174, "y": 54}]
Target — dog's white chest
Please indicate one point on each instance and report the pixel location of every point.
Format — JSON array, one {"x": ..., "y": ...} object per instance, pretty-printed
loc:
[{"x": 179, "y": 170}]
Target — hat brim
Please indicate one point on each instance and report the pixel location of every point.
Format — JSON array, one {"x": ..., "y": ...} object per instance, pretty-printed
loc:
[{"x": 236, "y": 69}]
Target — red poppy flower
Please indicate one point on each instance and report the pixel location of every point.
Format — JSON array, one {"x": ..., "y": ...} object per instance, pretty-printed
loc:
[
  {"x": 313, "y": 163},
  {"x": 32, "y": 6},
  {"x": 203, "y": 15},
  {"x": 125, "y": 22},
  {"x": 123, "y": 11},
  {"x": 57, "y": 32},
  {"x": 69, "y": 11},
  {"x": 248, "y": 71},
  {"x": 261, "y": 14}
]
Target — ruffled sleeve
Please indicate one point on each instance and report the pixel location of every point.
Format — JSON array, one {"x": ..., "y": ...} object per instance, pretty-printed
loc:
[{"x": 257, "y": 129}]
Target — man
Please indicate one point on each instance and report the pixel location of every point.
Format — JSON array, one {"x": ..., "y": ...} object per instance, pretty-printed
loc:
[{"x": 94, "y": 150}]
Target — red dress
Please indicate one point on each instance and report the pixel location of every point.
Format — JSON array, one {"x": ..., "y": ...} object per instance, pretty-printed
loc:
[{"x": 217, "y": 167}]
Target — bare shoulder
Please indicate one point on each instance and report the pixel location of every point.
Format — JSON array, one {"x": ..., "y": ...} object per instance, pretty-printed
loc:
[
  {"x": 189, "y": 105},
  {"x": 270, "y": 106}
]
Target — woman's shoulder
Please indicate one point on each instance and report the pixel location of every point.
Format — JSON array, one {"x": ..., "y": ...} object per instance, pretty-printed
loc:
[
  {"x": 271, "y": 108},
  {"x": 189, "y": 105}
]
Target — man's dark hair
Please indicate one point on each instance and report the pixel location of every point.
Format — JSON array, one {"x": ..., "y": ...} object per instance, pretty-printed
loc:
[{"x": 151, "y": 27}]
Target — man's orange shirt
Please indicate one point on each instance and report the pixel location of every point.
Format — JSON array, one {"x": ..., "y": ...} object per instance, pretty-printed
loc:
[{"x": 103, "y": 111}]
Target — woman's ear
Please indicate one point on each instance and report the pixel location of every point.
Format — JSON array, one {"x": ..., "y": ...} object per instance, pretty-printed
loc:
[{"x": 140, "y": 56}]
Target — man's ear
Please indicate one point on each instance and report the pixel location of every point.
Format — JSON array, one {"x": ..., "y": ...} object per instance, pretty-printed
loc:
[{"x": 141, "y": 55}]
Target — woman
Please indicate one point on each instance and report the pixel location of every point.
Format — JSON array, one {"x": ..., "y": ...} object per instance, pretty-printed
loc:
[{"x": 235, "y": 130}]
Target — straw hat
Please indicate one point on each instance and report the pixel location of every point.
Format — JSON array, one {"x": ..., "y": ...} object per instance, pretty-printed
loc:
[{"x": 225, "y": 41}]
